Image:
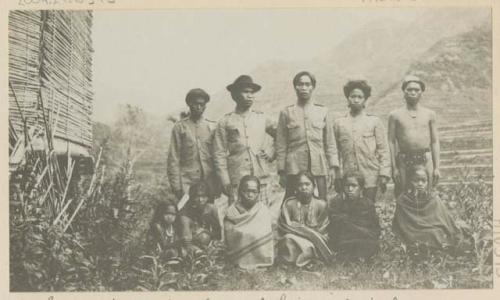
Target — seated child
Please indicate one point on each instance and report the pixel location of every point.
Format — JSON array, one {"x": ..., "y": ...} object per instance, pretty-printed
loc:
[
  {"x": 421, "y": 218},
  {"x": 198, "y": 220},
  {"x": 163, "y": 232},
  {"x": 354, "y": 225}
]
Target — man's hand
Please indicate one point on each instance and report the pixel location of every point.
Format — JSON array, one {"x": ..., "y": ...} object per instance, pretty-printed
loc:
[
  {"x": 382, "y": 183},
  {"x": 436, "y": 176},
  {"x": 396, "y": 177},
  {"x": 333, "y": 173},
  {"x": 178, "y": 194},
  {"x": 337, "y": 184},
  {"x": 228, "y": 190},
  {"x": 282, "y": 179},
  {"x": 264, "y": 155}
]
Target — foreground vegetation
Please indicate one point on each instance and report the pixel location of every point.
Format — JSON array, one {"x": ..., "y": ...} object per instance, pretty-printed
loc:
[
  {"x": 105, "y": 250},
  {"x": 90, "y": 235}
]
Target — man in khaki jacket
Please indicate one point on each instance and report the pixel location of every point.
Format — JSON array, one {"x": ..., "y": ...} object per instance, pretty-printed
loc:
[
  {"x": 189, "y": 156},
  {"x": 240, "y": 141},
  {"x": 305, "y": 139},
  {"x": 362, "y": 141}
]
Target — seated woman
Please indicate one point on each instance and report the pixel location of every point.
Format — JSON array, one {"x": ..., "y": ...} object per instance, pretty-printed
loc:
[
  {"x": 163, "y": 234},
  {"x": 247, "y": 227},
  {"x": 421, "y": 219},
  {"x": 198, "y": 220},
  {"x": 303, "y": 225},
  {"x": 354, "y": 226}
]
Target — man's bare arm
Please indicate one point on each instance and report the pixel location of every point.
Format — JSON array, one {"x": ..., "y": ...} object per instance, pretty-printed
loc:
[
  {"x": 392, "y": 142},
  {"x": 435, "y": 147}
]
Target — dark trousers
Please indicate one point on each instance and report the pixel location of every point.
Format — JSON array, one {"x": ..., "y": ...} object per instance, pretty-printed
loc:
[{"x": 291, "y": 186}]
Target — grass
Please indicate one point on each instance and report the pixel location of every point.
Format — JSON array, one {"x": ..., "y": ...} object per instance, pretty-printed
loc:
[
  {"x": 103, "y": 247},
  {"x": 392, "y": 268},
  {"x": 104, "y": 251}
]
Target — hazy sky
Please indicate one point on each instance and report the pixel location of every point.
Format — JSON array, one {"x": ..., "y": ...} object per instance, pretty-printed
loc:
[{"x": 152, "y": 58}]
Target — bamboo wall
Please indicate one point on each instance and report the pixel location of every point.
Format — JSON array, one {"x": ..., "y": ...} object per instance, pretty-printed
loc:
[{"x": 50, "y": 66}]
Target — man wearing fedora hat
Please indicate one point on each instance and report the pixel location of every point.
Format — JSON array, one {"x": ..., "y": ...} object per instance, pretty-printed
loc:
[
  {"x": 240, "y": 141},
  {"x": 413, "y": 136},
  {"x": 305, "y": 140},
  {"x": 189, "y": 156}
]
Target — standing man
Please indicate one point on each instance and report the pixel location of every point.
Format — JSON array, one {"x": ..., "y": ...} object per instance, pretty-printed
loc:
[
  {"x": 240, "y": 140},
  {"x": 189, "y": 157},
  {"x": 305, "y": 139},
  {"x": 413, "y": 136},
  {"x": 362, "y": 141}
]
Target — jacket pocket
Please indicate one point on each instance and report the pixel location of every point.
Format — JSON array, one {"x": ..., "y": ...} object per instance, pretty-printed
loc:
[
  {"x": 318, "y": 124},
  {"x": 233, "y": 134},
  {"x": 293, "y": 130},
  {"x": 370, "y": 143},
  {"x": 317, "y": 129}
]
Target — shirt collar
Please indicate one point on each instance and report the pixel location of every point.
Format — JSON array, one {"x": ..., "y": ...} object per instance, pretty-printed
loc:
[
  {"x": 307, "y": 106},
  {"x": 361, "y": 115}
]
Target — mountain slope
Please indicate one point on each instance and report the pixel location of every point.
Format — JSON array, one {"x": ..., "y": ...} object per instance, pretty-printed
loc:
[
  {"x": 380, "y": 52},
  {"x": 457, "y": 71}
]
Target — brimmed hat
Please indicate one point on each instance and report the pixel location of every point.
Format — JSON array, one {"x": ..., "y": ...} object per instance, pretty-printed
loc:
[
  {"x": 242, "y": 82},
  {"x": 197, "y": 93},
  {"x": 412, "y": 78}
]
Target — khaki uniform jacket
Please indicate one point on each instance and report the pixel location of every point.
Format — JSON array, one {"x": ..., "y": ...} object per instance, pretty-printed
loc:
[
  {"x": 238, "y": 145},
  {"x": 305, "y": 140},
  {"x": 190, "y": 153},
  {"x": 362, "y": 145}
]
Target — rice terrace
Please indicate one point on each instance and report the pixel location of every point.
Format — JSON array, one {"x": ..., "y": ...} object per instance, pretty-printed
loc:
[{"x": 83, "y": 189}]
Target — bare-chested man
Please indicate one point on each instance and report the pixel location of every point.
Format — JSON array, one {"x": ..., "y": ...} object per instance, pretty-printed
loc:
[{"x": 413, "y": 136}]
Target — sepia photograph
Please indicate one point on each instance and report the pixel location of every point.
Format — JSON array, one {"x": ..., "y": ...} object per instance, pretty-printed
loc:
[{"x": 283, "y": 149}]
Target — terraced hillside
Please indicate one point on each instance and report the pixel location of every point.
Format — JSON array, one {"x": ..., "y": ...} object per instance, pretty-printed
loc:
[{"x": 466, "y": 150}]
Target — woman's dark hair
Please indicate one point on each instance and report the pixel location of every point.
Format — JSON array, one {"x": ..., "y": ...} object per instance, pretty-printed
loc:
[
  {"x": 413, "y": 170},
  {"x": 196, "y": 187},
  {"x": 304, "y": 73},
  {"x": 248, "y": 178},
  {"x": 353, "y": 174},
  {"x": 161, "y": 208},
  {"x": 307, "y": 174},
  {"x": 357, "y": 84}
]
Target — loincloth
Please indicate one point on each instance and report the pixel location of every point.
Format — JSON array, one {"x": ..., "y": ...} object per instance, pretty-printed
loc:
[{"x": 413, "y": 158}]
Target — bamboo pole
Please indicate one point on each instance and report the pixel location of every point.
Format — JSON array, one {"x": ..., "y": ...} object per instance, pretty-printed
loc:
[
  {"x": 62, "y": 211},
  {"x": 42, "y": 200},
  {"x": 74, "y": 214},
  {"x": 25, "y": 126},
  {"x": 41, "y": 176},
  {"x": 68, "y": 182}
]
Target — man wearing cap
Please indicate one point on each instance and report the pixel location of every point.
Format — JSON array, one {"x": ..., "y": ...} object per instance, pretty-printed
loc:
[
  {"x": 240, "y": 141},
  {"x": 413, "y": 136},
  {"x": 305, "y": 139},
  {"x": 362, "y": 141},
  {"x": 189, "y": 156}
]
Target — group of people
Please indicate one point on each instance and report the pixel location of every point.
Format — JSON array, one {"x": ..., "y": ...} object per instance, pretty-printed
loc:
[{"x": 332, "y": 171}]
